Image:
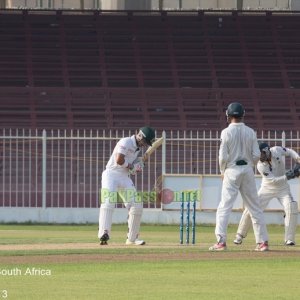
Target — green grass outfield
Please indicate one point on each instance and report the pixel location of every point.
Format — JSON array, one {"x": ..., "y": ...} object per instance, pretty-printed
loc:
[{"x": 65, "y": 262}]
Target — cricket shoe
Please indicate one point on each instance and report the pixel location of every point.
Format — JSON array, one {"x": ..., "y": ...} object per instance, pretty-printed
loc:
[
  {"x": 104, "y": 238},
  {"x": 290, "y": 243},
  {"x": 238, "y": 239},
  {"x": 218, "y": 247},
  {"x": 262, "y": 247},
  {"x": 136, "y": 242}
]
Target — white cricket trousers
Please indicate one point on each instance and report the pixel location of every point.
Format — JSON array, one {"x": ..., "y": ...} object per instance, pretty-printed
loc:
[
  {"x": 240, "y": 179},
  {"x": 115, "y": 186},
  {"x": 290, "y": 207}
]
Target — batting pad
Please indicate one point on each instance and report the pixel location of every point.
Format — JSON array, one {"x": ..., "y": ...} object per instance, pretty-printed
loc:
[
  {"x": 291, "y": 220},
  {"x": 134, "y": 222},
  {"x": 105, "y": 220},
  {"x": 245, "y": 223}
]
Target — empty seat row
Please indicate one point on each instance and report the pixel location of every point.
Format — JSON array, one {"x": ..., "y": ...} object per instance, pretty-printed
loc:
[{"x": 88, "y": 70}]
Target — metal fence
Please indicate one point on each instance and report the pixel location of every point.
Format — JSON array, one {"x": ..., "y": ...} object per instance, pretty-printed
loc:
[{"x": 63, "y": 168}]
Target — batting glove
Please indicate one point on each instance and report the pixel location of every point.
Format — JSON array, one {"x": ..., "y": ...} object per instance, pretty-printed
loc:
[
  {"x": 290, "y": 174},
  {"x": 297, "y": 170},
  {"x": 136, "y": 168}
]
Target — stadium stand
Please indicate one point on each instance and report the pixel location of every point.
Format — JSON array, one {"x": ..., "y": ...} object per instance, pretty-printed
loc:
[
  {"x": 120, "y": 70},
  {"x": 172, "y": 70}
]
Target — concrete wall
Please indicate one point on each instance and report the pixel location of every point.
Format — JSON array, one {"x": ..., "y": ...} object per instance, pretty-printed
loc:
[
  {"x": 210, "y": 187},
  {"x": 90, "y": 216}
]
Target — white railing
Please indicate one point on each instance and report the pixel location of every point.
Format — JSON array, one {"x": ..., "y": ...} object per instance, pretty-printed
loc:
[{"x": 50, "y": 169}]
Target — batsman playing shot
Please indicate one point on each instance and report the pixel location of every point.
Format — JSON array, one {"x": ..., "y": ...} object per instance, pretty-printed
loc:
[
  {"x": 124, "y": 161},
  {"x": 271, "y": 166}
]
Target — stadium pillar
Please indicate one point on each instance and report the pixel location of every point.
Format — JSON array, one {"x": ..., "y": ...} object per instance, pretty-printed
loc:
[
  {"x": 3, "y": 3},
  {"x": 239, "y": 4}
]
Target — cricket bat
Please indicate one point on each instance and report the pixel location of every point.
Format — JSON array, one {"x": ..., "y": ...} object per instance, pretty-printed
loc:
[{"x": 151, "y": 149}]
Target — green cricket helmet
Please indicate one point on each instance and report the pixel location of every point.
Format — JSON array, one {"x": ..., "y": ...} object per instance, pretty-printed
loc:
[{"x": 148, "y": 134}]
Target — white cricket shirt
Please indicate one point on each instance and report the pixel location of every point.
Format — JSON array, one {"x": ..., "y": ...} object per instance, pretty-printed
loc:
[
  {"x": 238, "y": 142},
  {"x": 129, "y": 148}
]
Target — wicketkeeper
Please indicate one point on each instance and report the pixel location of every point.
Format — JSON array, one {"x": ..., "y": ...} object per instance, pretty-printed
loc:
[
  {"x": 275, "y": 185},
  {"x": 116, "y": 182}
]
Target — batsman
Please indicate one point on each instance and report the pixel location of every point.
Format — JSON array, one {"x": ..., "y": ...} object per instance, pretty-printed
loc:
[
  {"x": 274, "y": 184},
  {"x": 116, "y": 180}
]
